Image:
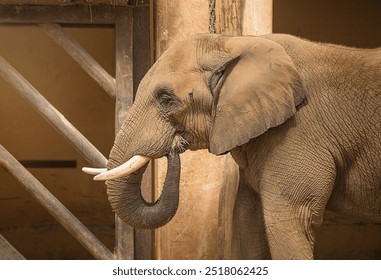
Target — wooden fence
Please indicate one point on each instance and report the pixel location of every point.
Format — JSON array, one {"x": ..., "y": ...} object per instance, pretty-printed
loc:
[{"x": 130, "y": 24}]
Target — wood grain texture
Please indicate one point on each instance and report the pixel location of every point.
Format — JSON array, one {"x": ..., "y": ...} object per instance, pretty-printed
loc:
[
  {"x": 192, "y": 233},
  {"x": 8, "y": 252},
  {"x": 252, "y": 17},
  {"x": 228, "y": 17}
]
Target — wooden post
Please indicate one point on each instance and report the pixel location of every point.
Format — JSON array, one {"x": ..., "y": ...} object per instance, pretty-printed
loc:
[
  {"x": 124, "y": 234},
  {"x": 132, "y": 61},
  {"x": 192, "y": 232},
  {"x": 257, "y": 17},
  {"x": 250, "y": 17},
  {"x": 228, "y": 17}
]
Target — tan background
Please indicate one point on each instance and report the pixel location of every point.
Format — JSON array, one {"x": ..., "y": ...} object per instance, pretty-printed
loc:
[{"x": 193, "y": 233}]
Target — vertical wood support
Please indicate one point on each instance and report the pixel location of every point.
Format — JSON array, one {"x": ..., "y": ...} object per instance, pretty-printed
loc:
[
  {"x": 124, "y": 234},
  {"x": 228, "y": 17},
  {"x": 257, "y": 17},
  {"x": 250, "y": 17},
  {"x": 192, "y": 232},
  {"x": 131, "y": 65},
  {"x": 142, "y": 23}
]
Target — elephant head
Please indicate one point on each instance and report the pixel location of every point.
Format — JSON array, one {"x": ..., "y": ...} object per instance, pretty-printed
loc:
[{"x": 208, "y": 92}]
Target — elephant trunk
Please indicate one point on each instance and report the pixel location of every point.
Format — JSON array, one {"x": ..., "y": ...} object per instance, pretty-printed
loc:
[
  {"x": 126, "y": 200},
  {"x": 134, "y": 146}
]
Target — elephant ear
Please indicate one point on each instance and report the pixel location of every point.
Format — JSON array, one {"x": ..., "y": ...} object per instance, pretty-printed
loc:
[{"x": 259, "y": 89}]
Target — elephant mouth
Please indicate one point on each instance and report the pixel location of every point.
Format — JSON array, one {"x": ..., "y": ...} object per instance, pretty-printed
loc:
[{"x": 179, "y": 145}]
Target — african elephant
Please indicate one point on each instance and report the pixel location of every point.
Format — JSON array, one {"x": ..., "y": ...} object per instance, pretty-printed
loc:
[{"x": 301, "y": 119}]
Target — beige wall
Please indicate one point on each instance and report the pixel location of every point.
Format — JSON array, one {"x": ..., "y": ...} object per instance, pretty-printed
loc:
[{"x": 29, "y": 137}]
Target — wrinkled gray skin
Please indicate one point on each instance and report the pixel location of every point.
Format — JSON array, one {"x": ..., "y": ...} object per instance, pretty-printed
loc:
[{"x": 301, "y": 119}]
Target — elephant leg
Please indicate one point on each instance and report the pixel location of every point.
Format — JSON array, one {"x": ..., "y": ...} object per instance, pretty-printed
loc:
[
  {"x": 290, "y": 237},
  {"x": 294, "y": 201},
  {"x": 249, "y": 235}
]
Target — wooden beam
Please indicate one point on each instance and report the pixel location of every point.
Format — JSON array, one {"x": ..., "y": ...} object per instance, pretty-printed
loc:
[
  {"x": 81, "y": 56},
  {"x": 250, "y": 17},
  {"x": 51, "y": 114},
  {"x": 228, "y": 17},
  {"x": 124, "y": 68},
  {"x": 142, "y": 22},
  {"x": 124, "y": 234},
  {"x": 256, "y": 17},
  {"x": 8, "y": 252},
  {"x": 93, "y": 15},
  {"x": 54, "y": 206},
  {"x": 192, "y": 233}
]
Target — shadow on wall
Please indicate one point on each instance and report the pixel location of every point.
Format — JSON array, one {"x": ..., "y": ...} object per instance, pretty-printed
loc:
[{"x": 353, "y": 23}]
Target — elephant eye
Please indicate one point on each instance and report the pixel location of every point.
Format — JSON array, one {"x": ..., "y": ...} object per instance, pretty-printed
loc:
[{"x": 167, "y": 100}]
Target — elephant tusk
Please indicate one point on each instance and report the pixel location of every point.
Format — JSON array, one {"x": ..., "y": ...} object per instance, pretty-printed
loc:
[
  {"x": 93, "y": 171},
  {"x": 133, "y": 164}
]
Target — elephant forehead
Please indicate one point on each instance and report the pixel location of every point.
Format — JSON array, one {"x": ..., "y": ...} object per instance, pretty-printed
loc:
[
  {"x": 181, "y": 82},
  {"x": 177, "y": 58},
  {"x": 201, "y": 52}
]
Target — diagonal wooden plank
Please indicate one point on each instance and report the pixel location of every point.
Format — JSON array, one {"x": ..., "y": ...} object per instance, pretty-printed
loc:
[
  {"x": 54, "y": 206},
  {"x": 51, "y": 114},
  {"x": 8, "y": 252},
  {"x": 81, "y": 56}
]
